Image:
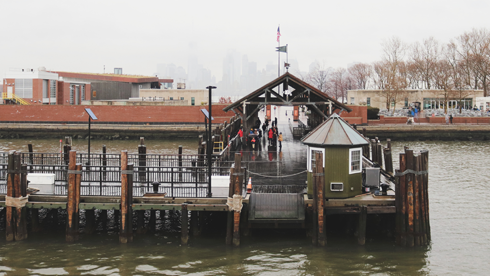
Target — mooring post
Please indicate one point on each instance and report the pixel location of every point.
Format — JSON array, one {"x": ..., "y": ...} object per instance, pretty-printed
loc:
[
  {"x": 416, "y": 199},
  {"x": 361, "y": 237},
  {"x": 320, "y": 186},
  {"x": 238, "y": 179},
  {"x": 185, "y": 225},
  {"x": 126, "y": 231},
  {"x": 388, "y": 160},
  {"x": 73, "y": 198},
  {"x": 373, "y": 150},
  {"x": 31, "y": 157},
  {"x": 16, "y": 214},
  {"x": 142, "y": 160},
  {"x": 410, "y": 212},
  {"x": 104, "y": 161},
  {"x": 229, "y": 221},
  {"x": 425, "y": 189},
  {"x": 402, "y": 198},
  {"x": 180, "y": 162}
]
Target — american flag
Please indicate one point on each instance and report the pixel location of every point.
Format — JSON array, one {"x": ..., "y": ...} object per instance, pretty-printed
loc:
[{"x": 278, "y": 34}]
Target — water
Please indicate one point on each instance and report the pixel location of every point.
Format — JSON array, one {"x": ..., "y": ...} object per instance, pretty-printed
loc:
[{"x": 459, "y": 212}]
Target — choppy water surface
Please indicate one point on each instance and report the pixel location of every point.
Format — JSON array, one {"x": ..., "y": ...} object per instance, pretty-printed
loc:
[{"x": 460, "y": 219}]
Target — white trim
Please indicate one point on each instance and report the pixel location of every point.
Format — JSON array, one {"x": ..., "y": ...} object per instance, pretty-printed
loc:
[
  {"x": 350, "y": 160},
  {"x": 308, "y": 158}
]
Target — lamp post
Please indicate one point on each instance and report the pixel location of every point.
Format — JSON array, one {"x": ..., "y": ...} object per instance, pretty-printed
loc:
[
  {"x": 210, "y": 147},
  {"x": 91, "y": 116}
]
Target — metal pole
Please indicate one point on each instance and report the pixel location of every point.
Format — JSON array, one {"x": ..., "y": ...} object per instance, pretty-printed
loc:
[
  {"x": 210, "y": 147},
  {"x": 88, "y": 162}
]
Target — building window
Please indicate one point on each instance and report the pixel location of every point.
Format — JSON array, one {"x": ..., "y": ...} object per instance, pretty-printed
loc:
[
  {"x": 352, "y": 100},
  {"x": 368, "y": 101},
  {"x": 193, "y": 101},
  {"x": 311, "y": 157},
  {"x": 53, "y": 89},
  {"x": 181, "y": 98},
  {"x": 72, "y": 90},
  {"x": 83, "y": 92},
  {"x": 23, "y": 88},
  {"x": 355, "y": 165},
  {"x": 171, "y": 98},
  {"x": 406, "y": 102}
]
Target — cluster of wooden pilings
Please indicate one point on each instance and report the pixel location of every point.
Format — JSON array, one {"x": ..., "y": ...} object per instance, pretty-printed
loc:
[
  {"x": 16, "y": 212},
  {"x": 318, "y": 234},
  {"x": 412, "y": 199}
]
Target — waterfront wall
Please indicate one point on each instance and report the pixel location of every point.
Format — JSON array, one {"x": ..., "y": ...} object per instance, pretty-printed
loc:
[{"x": 110, "y": 114}]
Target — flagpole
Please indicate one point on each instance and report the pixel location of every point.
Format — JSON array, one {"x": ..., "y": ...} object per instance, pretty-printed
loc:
[{"x": 279, "y": 53}]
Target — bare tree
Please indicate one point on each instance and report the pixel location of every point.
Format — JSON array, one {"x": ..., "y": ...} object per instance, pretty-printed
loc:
[
  {"x": 424, "y": 57},
  {"x": 361, "y": 73},
  {"x": 460, "y": 75},
  {"x": 339, "y": 84},
  {"x": 474, "y": 49},
  {"x": 443, "y": 81},
  {"x": 393, "y": 70},
  {"x": 319, "y": 77}
]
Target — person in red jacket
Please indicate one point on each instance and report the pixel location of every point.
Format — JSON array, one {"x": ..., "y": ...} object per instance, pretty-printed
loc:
[
  {"x": 271, "y": 135},
  {"x": 240, "y": 135}
]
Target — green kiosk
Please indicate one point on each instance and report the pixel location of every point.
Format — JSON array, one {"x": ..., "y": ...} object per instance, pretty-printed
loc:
[{"x": 341, "y": 146}]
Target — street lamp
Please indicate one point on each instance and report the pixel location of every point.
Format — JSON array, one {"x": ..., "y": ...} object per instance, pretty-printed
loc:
[
  {"x": 210, "y": 147},
  {"x": 91, "y": 116}
]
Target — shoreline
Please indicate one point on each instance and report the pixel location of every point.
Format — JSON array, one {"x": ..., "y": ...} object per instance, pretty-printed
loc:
[{"x": 102, "y": 131}]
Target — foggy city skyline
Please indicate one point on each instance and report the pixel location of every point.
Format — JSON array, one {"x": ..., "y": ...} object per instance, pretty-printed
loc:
[{"x": 217, "y": 42}]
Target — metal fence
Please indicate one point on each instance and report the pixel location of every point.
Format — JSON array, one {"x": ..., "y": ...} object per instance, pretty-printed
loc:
[{"x": 178, "y": 175}]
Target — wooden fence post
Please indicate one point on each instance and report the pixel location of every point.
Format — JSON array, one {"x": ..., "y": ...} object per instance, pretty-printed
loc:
[{"x": 185, "y": 225}]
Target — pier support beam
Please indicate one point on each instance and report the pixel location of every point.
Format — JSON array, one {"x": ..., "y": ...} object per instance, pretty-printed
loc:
[
  {"x": 90, "y": 221},
  {"x": 185, "y": 225},
  {"x": 126, "y": 231},
  {"x": 361, "y": 229},
  {"x": 74, "y": 180}
]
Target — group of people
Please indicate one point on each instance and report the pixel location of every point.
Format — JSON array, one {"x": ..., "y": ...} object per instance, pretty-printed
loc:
[{"x": 255, "y": 134}]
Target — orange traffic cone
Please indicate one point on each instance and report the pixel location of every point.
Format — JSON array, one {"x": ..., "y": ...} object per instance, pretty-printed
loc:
[{"x": 249, "y": 185}]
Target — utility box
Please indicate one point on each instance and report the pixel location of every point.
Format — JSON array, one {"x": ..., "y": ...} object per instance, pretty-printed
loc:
[
  {"x": 372, "y": 177},
  {"x": 220, "y": 185},
  {"x": 42, "y": 181}
]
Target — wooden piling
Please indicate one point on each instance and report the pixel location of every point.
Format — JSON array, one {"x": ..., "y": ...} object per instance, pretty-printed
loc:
[
  {"x": 142, "y": 160},
  {"x": 73, "y": 197},
  {"x": 410, "y": 199},
  {"x": 185, "y": 225},
  {"x": 379, "y": 154},
  {"x": 425, "y": 196},
  {"x": 374, "y": 158},
  {"x": 388, "y": 160},
  {"x": 238, "y": 179},
  {"x": 194, "y": 224},
  {"x": 126, "y": 231},
  {"x": 402, "y": 195},
  {"x": 16, "y": 214},
  {"x": 152, "y": 224},
  {"x": 229, "y": 219},
  {"x": 361, "y": 228},
  {"x": 90, "y": 221},
  {"x": 180, "y": 162},
  {"x": 140, "y": 229},
  {"x": 320, "y": 197},
  {"x": 31, "y": 157},
  {"x": 35, "y": 226},
  {"x": 103, "y": 219}
]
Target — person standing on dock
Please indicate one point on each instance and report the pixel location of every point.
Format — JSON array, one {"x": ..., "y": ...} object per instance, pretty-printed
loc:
[
  {"x": 275, "y": 121},
  {"x": 271, "y": 134},
  {"x": 451, "y": 118},
  {"x": 240, "y": 135}
]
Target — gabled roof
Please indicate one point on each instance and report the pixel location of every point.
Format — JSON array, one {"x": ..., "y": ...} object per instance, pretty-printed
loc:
[
  {"x": 334, "y": 131},
  {"x": 293, "y": 82}
]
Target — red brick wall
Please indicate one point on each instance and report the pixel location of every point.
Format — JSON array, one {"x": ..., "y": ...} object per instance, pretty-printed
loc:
[
  {"x": 133, "y": 114},
  {"x": 358, "y": 112}
]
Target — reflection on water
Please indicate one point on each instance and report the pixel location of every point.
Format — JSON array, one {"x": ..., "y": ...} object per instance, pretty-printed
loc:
[{"x": 460, "y": 217}]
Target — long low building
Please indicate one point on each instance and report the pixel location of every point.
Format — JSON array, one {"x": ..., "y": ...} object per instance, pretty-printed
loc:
[{"x": 428, "y": 98}]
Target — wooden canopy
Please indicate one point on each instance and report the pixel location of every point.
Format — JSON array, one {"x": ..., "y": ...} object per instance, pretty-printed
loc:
[{"x": 287, "y": 90}]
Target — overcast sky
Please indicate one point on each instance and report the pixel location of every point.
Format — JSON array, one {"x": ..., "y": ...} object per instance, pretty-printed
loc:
[{"x": 83, "y": 36}]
